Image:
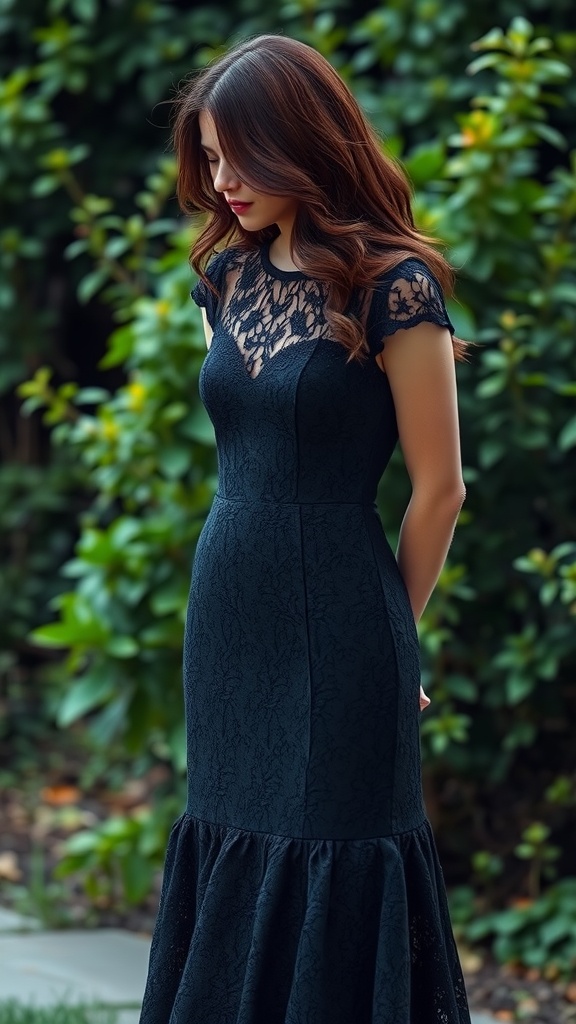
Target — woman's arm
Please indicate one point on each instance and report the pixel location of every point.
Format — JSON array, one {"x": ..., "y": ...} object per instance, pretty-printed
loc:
[
  {"x": 207, "y": 329},
  {"x": 420, "y": 366}
]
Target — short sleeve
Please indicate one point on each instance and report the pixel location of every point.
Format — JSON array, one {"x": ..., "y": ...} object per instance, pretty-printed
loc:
[
  {"x": 405, "y": 296},
  {"x": 201, "y": 293}
]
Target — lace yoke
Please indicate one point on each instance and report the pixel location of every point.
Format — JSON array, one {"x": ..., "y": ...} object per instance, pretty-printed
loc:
[
  {"x": 265, "y": 309},
  {"x": 264, "y": 314}
]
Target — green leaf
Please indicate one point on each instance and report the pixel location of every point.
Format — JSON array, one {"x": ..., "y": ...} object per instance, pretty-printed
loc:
[
  {"x": 535, "y": 956},
  {"x": 91, "y": 284},
  {"x": 121, "y": 343},
  {"x": 509, "y": 922},
  {"x": 45, "y": 186},
  {"x": 137, "y": 875},
  {"x": 491, "y": 452},
  {"x": 91, "y": 396},
  {"x": 76, "y": 248},
  {"x": 69, "y": 634},
  {"x": 564, "y": 291},
  {"x": 117, "y": 246},
  {"x": 82, "y": 843},
  {"x": 480, "y": 928},
  {"x": 521, "y": 28},
  {"x": 166, "y": 634},
  {"x": 522, "y": 734},
  {"x": 488, "y": 60},
  {"x": 110, "y": 722},
  {"x": 198, "y": 426},
  {"x": 518, "y": 688},
  {"x": 494, "y": 39},
  {"x": 462, "y": 252},
  {"x": 78, "y": 153},
  {"x": 567, "y": 438},
  {"x": 177, "y": 744},
  {"x": 491, "y": 386},
  {"x": 175, "y": 460},
  {"x": 551, "y": 135},
  {"x": 425, "y": 163},
  {"x": 549, "y": 592},
  {"x": 555, "y": 69},
  {"x": 90, "y": 692},
  {"x": 124, "y": 530},
  {"x": 462, "y": 687},
  {"x": 170, "y": 598},
  {"x": 463, "y": 319},
  {"x": 85, "y": 10},
  {"x": 122, "y": 647}
]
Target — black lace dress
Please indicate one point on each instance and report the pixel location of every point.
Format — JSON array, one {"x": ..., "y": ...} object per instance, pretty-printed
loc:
[{"x": 302, "y": 884}]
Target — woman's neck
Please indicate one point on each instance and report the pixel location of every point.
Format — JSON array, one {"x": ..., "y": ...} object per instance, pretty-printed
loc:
[{"x": 279, "y": 252}]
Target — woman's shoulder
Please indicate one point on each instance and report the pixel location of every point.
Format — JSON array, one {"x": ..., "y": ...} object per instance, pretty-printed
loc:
[
  {"x": 405, "y": 267},
  {"x": 218, "y": 267},
  {"x": 406, "y": 293},
  {"x": 222, "y": 260}
]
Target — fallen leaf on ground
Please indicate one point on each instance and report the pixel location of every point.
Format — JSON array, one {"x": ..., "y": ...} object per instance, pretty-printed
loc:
[
  {"x": 133, "y": 793},
  {"x": 570, "y": 992},
  {"x": 58, "y": 795},
  {"x": 471, "y": 961},
  {"x": 9, "y": 867},
  {"x": 527, "y": 1007}
]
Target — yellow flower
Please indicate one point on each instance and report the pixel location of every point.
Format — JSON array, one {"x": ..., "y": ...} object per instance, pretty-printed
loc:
[
  {"x": 136, "y": 394},
  {"x": 508, "y": 319},
  {"x": 480, "y": 127},
  {"x": 110, "y": 430}
]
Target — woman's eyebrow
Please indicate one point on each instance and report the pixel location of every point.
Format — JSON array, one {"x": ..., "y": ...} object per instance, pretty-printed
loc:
[{"x": 208, "y": 148}]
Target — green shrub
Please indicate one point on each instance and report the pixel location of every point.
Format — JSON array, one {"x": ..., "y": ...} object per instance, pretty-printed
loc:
[
  {"x": 491, "y": 153},
  {"x": 148, "y": 450}
]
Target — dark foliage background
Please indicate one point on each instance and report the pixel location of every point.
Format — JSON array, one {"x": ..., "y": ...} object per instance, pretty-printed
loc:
[{"x": 108, "y": 460}]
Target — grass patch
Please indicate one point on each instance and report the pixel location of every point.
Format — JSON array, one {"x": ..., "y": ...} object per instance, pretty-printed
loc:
[{"x": 13, "y": 1012}]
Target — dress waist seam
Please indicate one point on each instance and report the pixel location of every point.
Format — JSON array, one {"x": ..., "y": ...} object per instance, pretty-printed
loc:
[
  {"x": 222, "y": 826},
  {"x": 295, "y": 504}
]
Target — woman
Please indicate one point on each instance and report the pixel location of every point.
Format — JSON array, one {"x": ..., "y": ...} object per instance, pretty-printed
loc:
[{"x": 302, "y": 885}]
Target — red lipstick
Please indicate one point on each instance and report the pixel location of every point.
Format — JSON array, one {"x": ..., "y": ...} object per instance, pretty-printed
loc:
[{"x": 238, "y": 207}]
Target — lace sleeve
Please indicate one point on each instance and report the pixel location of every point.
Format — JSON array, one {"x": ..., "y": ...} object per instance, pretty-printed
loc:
[
  {"x": 202, "y": 294},
  {"x": 408, "y": 295}
]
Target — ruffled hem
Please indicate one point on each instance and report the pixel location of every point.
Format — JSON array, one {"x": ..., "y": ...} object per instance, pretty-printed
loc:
[{"x": 262, "y": 929}]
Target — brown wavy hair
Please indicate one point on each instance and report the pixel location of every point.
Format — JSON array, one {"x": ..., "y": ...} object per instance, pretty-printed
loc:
[{"x": 289, "y": 126}]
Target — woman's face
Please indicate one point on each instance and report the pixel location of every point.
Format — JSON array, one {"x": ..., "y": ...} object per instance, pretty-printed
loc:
[{"x": 255, "y": 210}]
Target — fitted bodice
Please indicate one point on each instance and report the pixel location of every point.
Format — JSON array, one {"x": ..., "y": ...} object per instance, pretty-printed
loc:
[{"x": 294, "y": 420}]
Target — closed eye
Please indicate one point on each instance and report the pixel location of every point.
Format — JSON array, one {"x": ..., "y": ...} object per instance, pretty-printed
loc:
[{"x": 210, "y": 154}]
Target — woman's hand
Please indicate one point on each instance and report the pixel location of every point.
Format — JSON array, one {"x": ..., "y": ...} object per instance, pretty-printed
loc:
[{"x": 424, "y": 700}]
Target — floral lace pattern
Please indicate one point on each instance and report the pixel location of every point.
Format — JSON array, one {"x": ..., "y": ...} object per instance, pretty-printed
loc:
[
  {"x": 265, "y": 314},
  {"x": 414, "y": 296},
  {"x": 266, "y": 309}
]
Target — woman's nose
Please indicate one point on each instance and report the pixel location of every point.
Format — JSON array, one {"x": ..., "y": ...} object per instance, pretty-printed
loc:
[{"x": 226, "y": 180}]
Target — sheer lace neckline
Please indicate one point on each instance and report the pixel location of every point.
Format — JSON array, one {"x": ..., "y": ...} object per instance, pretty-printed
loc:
[{"x": 268, "y": 310}]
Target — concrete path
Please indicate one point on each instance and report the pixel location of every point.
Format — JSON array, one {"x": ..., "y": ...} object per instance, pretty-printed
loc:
[{"x": 105, "y": 965}]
